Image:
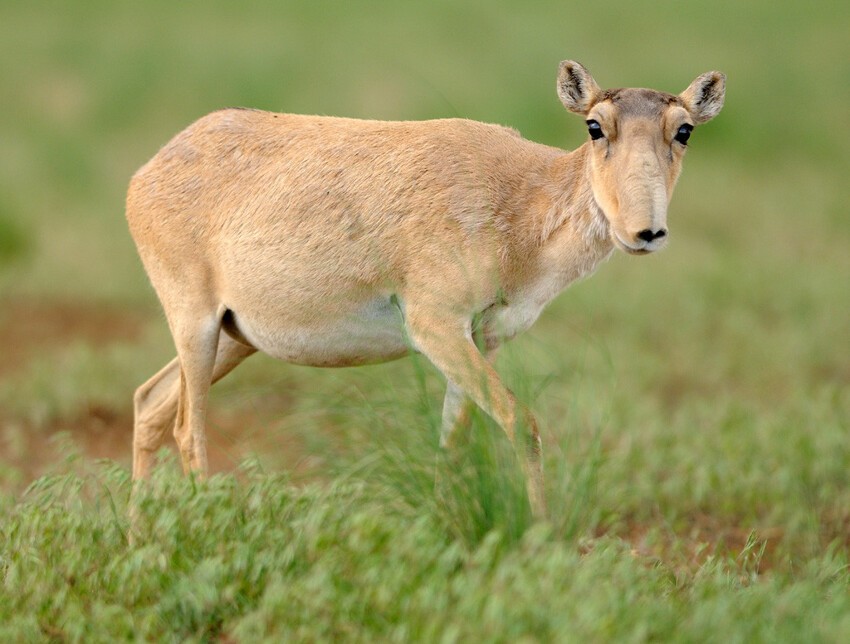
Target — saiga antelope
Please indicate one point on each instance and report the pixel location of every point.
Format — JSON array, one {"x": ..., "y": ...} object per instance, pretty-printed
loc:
[{"x": 334, "y": 242}]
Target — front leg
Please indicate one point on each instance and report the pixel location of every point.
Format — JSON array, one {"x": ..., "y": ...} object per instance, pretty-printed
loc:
[
  {"x": 457, "y": 408},
  {"x": 448, "y": 344}
]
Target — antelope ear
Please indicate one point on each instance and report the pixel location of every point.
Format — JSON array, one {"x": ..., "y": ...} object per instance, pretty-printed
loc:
[
  {"x": 576, "y": 87},
  {"x": 704, "y": 97}
]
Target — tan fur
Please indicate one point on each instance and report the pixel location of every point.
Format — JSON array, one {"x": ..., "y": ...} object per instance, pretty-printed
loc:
[{"x": 334, "y": 242}]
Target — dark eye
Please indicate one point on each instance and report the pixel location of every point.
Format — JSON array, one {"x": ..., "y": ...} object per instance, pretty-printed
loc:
[
  {"x": 595, "y": 129},
  {"x": 684, "y": 133}
]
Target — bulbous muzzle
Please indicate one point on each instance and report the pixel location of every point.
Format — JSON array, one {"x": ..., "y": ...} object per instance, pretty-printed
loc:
[
  {"x": 642, "y": 242},
  {"x": 640, "y": 226}
]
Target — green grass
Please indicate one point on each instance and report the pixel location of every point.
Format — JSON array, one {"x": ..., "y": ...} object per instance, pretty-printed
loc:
[
  {"x": 258, "y": 558},
  {"x": 695, "y": 405}
]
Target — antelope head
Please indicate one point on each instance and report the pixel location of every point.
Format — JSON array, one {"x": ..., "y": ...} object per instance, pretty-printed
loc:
[{"x": 638, "y": 139}]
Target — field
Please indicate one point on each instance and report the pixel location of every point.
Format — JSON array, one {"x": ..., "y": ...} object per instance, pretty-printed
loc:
[{"x": 695, "y": 404}]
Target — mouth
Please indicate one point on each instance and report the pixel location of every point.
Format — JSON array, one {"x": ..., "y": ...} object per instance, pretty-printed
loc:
[{"x": 637, "y": 248}]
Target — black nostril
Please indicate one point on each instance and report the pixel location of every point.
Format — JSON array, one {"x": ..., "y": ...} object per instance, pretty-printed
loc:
[{"x": 648, "y": 236}]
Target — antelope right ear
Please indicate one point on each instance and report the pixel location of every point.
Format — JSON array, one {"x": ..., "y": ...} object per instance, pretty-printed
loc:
[{"x": 576, "y": 87}]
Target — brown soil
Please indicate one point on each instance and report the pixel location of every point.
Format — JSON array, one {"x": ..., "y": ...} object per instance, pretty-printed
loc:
[
  {"x": 102, "y": 433},
  {"x": 702, "y": 537},
  {"x": 30, "y": 327}
]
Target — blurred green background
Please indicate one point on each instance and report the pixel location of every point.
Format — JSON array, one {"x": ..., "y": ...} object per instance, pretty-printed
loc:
[{"x": 716, "y": 371}]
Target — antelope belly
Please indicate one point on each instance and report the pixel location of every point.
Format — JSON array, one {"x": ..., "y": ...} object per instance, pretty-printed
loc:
[{"x": 371, "y": 334}]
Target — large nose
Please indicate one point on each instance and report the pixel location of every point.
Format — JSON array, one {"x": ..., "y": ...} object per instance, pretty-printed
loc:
[
  {"x": 643, "y": 196},
  {"x": 649, "y": 235}
]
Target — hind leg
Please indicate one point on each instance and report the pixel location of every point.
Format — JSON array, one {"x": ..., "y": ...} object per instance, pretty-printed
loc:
[
  {"x": 155, "y": 402},
  {"x": 196, "y": 334}
]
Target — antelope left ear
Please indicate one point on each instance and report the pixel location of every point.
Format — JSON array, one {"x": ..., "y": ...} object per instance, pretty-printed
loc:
[{"x": 704, "y": 97}]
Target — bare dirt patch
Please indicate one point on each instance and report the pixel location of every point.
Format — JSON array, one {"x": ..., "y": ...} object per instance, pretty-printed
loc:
[
  {"x": 31, "y": 327},
  {"x": 702, "y": 537},
  {"x": 97, "y": 432}
]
